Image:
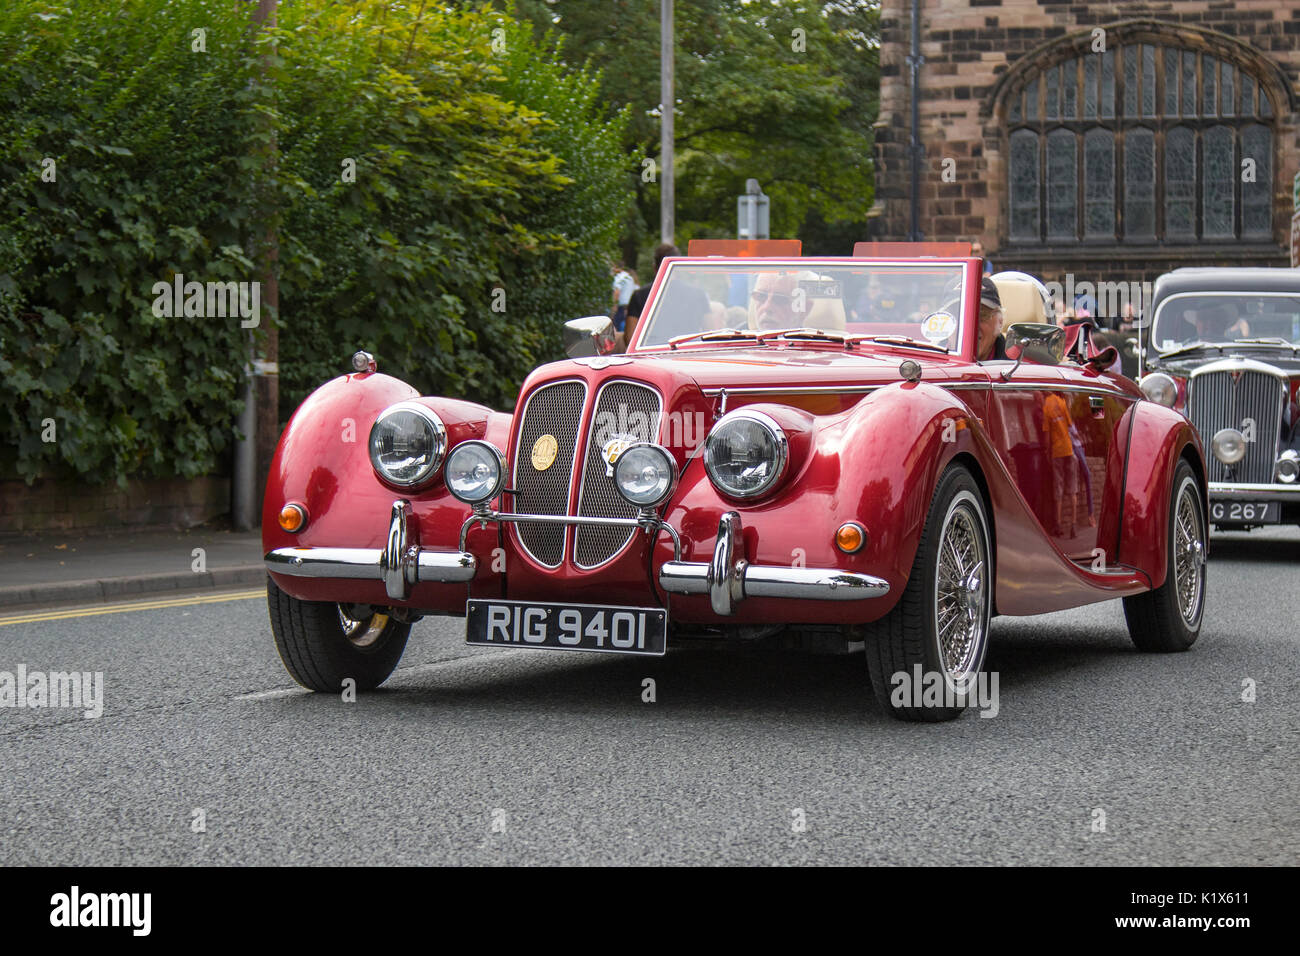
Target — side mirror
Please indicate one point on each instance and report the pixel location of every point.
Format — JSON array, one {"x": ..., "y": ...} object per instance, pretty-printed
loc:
[
  {"x": 593, "y": 335},
  {"x": 1035, "y": 342}
]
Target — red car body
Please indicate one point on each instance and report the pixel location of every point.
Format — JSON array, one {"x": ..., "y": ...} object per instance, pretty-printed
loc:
[{"x": 866, "y": 446}]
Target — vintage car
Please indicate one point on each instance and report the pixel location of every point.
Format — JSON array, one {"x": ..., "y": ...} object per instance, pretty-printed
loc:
[
  {"x": 790, "y": 444},
  {"x": 1225, "y": 350}
]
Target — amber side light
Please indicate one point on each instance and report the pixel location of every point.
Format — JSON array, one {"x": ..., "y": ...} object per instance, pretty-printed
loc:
[
  {"x": 293, "y": 517},
  {"x": 850, "y": 537}
]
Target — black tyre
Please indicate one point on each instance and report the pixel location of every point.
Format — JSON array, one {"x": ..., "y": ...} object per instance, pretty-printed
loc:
[
  {"x": 1169, "y": 618},
  {"x": 321, "y": 645},
  {"x": 939, "y": 628}
]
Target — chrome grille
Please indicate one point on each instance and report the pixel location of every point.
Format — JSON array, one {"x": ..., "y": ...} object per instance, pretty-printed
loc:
[
  {"x": 554, "y": 410},
  {"x": 1214, "y": 401},
  {"x": 622, "y": 409}
]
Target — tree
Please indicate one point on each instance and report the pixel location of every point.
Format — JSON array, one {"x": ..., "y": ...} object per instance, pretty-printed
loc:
[{"x": 783, "y": 91}]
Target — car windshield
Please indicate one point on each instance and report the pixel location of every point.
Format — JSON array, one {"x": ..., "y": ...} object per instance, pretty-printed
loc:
[
  {"x": 1187, "y": 319},
  {"x": 921, "y": 301}
]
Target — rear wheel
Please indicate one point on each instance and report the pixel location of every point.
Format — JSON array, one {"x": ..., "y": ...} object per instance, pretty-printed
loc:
[
  {"x": 1169, "y": 618},
  {"x": 322, "y": 644},
  {"x": 926, "y": 655}
]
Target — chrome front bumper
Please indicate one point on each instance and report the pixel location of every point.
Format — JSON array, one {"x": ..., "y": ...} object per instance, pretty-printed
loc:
[
  {"x": 727, "y": 579},
  {"x": 1227, "y": 491}
]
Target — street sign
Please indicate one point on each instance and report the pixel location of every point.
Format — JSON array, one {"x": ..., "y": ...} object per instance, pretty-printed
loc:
[
  {"x": 1295, "y": 241},
  {"x": 752, "y": 213}
]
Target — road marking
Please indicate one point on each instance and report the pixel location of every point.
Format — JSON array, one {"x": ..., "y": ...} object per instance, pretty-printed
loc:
[
  {"x": 37, "y": 616},
  {"x": 271, "y": 694}
]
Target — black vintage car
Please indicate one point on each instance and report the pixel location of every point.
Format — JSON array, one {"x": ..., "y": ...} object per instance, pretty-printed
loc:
[{"x": 1224, "y": 349}]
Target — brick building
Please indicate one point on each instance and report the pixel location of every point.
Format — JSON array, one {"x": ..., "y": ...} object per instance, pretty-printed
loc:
[{"x": 1114, "y": 141}]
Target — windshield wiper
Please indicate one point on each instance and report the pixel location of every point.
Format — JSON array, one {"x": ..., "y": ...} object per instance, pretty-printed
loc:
[
  {"x": 900, "y": 340},
  {"x": 804, "y": 333},
  {"x": 1273, "y": 340},
  {"x": 711, "y": 335},
  {"x": 1190, "y": 347}
]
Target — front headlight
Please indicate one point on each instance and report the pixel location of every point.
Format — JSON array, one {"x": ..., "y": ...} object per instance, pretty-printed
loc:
[
  {"x": 407, "y": 444},
  {"x": 746, "y": 454},
  {"x": 1160, "y": 388},
  {"x": 645, "y": 474},
  {"x": 1228, "y": 445},
  {"x": 475, "y": 471}
]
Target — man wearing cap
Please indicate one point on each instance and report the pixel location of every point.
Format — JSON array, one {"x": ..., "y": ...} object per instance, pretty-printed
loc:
[{"x": 989, "y": 343}]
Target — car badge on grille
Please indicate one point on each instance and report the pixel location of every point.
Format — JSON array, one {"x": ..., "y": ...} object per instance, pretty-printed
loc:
[
  {"x": 613, "y": 448},
  {"x": 1236, "y": 377},
  {"x": 544, "y": 452}
]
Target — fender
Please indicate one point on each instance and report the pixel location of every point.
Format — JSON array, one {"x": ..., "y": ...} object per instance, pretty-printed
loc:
[
  {"x": 322, "y": 461},
  {"x": 1158, "y": 437},
  {"x": 877, "y": 464}
]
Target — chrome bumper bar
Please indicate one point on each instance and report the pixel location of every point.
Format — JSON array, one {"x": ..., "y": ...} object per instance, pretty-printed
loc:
[
  {"x": 1226, "y": 490},
  {"x": 727, "y": 579},
  {"x": 399, "y": 564}
]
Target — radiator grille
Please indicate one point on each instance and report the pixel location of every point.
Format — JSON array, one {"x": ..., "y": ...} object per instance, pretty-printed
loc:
[
  {"x": 1215, "y": 401},
  {"x": 622, "y": 409},
  {"x": 551, "y": 410}
]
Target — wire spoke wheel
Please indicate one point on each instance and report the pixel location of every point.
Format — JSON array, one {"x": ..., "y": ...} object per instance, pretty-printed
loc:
[
  {"x": 961, "y": 593},
  {"x": 1189, "y": 555}
]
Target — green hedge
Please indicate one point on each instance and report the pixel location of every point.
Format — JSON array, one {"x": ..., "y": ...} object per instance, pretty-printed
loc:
[{"x": 475, "y": 169}]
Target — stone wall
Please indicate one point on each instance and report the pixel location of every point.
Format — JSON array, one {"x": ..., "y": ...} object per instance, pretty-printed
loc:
[
  {"x": 968, "y": 48},
  {"x": 72, "y": 506}
]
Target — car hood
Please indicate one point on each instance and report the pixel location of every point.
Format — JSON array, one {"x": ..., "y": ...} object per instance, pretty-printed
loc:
[{"x": 1283, "y": 359}]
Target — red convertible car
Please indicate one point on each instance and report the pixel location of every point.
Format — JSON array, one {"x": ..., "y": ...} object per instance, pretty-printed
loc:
[{"x": 843, "y": 446}]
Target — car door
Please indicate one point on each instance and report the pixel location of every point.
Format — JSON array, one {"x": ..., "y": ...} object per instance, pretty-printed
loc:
[{"x": 1056, "y": 431}]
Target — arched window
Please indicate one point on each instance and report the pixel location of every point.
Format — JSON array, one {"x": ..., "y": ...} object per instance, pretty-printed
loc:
[{"x": 1141, "y": 143}]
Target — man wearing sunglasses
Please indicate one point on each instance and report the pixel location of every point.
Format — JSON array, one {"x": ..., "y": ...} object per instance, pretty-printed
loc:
[{"x": 773, "y": 304}]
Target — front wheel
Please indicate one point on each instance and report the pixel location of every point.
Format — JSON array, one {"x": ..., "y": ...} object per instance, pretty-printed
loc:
[
  {"x": 322, "y": 644},
  {"x": 926, "y": 655},
  {"x": 1169, "y": 618}
]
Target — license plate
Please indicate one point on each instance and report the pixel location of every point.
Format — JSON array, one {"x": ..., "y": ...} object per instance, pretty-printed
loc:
[
  {"x": 1245, "y": 512},
  {"x": 567, "y": 627}
]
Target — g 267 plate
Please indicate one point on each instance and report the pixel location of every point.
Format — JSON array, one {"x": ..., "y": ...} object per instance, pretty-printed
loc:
[
  {"x": 567, "y": 627},
  {"x": 1245, "y": 512}
]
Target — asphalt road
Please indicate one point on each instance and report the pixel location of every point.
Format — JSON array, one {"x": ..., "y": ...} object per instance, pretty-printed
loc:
[{"x": 482, "y": 756}]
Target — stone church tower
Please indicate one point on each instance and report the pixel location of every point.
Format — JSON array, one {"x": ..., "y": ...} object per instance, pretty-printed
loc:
[{"x": 1111, "y": 140}]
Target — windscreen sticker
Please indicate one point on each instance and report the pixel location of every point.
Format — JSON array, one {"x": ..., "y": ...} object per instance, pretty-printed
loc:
[{"x": 939, "y": 326}]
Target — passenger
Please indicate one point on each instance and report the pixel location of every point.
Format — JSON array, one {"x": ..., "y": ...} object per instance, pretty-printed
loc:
[{"x": 990, "y": 345}]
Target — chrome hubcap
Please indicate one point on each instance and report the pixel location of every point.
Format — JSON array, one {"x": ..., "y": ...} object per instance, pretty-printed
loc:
[
  {"x": 961, "y": 598},
  {"x": 1189, "y": 555}
]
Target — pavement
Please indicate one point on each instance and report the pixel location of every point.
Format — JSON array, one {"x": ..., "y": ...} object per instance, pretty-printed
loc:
[
  {"x": 205, "y": 751},
  {"x": 71, "y": 567}
]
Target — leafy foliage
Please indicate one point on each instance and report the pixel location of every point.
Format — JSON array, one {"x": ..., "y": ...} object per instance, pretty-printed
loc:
[
  {"x": 463, "y": 184},
  {"x": 784, "y": 91}
]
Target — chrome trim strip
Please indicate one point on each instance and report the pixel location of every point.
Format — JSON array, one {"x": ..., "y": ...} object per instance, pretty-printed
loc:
[
  {"x": 792, "y": 390},
  {"x": 1255, "y": 492},
  {"x": 586, "y": 450},
  {"x": 1014, "y": 386},
  {"x": 570, "y": 501},
  {"x": 648, "y": 521}
]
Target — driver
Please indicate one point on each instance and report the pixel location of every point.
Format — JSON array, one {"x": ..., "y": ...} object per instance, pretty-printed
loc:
[
  {"x": 1220, "y": 323},
  {"x": 771, "y": 304}
]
